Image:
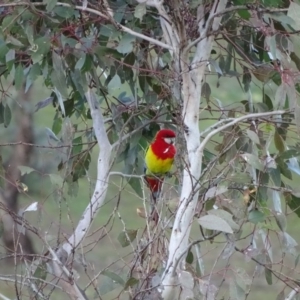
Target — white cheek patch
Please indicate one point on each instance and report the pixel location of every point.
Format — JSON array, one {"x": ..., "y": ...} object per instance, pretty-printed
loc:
[{"x": 169, "y": 140}]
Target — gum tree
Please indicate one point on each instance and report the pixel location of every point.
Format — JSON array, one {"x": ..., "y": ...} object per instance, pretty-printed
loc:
[{"x": 123, "y": 68}]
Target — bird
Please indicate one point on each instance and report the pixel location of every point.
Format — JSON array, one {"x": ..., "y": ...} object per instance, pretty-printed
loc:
[{"x": 159, "y": 160}]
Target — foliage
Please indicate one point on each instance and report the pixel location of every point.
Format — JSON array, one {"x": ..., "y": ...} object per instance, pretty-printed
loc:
[{"x": 248, "y": 182}]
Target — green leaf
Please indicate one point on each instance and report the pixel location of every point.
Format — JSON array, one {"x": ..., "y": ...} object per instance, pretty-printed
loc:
[
  {"x": 114, "y": 84},
  {"x": 40, "y": 273},
  {"x": 50, "y": 4},
  {"x": 80, "y": 62},
  {"x": 190, "y": 257},
  {"x": 130, "y": 282},
  {"x": 268, "y": 270},
  {"x": 64, "y": 12},
  {"x": 114, "y": 277},
  {"x": 56, "y": 179},
  {"x": 223, "y": 214},
  {"x": 214, "y": 223},
  {"x": 240, "y": 177},
  {"x": 126, "y": 43},
  {"x": 256, "y": 216},
  {"x": 294, "y": 14},
  {"x": 25, "y": 170},
  {"x": 58, "y": 75},
  {"x": 140, "y": 11},
  {"x": 19, "y": 77},
  {"x": 2, "y": 108},
  {"x": 279, "y": 142},
  {"x": 293, "y": 203},
  {"x": 57, "y": 124},
  {"x": 275, "y": 176},
  {"x": 253, "y": 136},
  {"x": 281, "y": 221},
  {"x": 126, "y": 237},
  {"x": 135, "y": 183},
  {"x": 253, "y": 161},
  {"x": 77, "y": 148},
  {"x": 289, "y": 154},
  {"x": 206, "y": 91},
  {"x": 7, "y": 115}
]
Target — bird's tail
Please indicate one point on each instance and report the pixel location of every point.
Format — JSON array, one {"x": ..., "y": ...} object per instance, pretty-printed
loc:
[{"x": 155, "y": 185}]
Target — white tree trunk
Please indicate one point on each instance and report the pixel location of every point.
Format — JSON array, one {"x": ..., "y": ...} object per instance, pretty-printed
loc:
[{"x": 192, "y": 81}]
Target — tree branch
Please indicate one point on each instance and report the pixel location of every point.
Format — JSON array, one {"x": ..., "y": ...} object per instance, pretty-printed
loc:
[
  {"x": 98, "y": 13},
  {"x": 235, "y": 121},
  {"x": 103, "y": 168}
]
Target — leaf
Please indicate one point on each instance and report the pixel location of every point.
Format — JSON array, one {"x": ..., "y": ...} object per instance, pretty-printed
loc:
[
  {"x": 58, "y": 76},
  {"x": 223, "y": 214},
  {"x": 56, "y": 179},
  {"x": 275, "y": 176},
  {"x": 77, "y": 145},
  {"x": 246, "y": 79},
  {"x": 57, "y": 124},
  {"x": 7, "y": 115},
  {"x": 40, "y": 273},
  {"x": 19, "y": 77},
  {"x": 294, "y": 13},
  {"x": 114, "y": 84},
  {"x": 206, "y": 91},
  {"x": 126, "y": 43},
  {"x": 288, "y": 243},
  {"x": 214, "y": 223},
  {"x": 253, "y": 136},
  {"x": 2, "y": 108},
  {"x": 280, "y": 296},
  {"x": 268, "y": 270},
  {"x": 240, "y": 177},
  {"x": 43, "y": 103},
  {"x": 293, "y": 166},
  {"x": 293, "y": 203},
  {"x": 279, "y": 142},
  {"x": 281, "y": 221},
  {"x": 114, "y": 277},
  {"x": 32, "y": 207},
  {"x": 190, "y": 257},
  {"x": 25, "y": 170},
  {"x": 215, "y": 191},
  {"x": 140, "y": 11},
  {"x": 256, "y": 216},
  {"x": 50, "y": 5},
  {"x": 130, "y": 282},
  {"x": 51, "y": 135},
  {"x": 60, "y": 99},
  {"x": 216, "y": 66},
  {"x": 297, "y": 117},
  {"x": 253, "y": 161},
  {"x": 135, "y": 183},
  {"x": 236, "y": 291},
  {"x": 126, "y": 237}
]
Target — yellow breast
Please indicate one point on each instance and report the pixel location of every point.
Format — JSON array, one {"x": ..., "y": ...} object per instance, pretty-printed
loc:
[{"x": 156, "y": 165}]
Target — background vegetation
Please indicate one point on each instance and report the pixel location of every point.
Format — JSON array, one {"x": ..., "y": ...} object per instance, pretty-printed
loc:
[{"x": 52, "y": 53}]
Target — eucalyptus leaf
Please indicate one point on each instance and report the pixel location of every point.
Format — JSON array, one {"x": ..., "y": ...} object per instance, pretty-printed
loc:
[{"x": 214, "y": 223}]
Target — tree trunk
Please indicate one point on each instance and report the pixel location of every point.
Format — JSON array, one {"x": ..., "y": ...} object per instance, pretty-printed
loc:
[{"x": 15, "y": 241}]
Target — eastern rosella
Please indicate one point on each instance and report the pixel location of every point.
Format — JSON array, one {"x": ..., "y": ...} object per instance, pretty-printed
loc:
[{"x": 159, "y": 160}]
